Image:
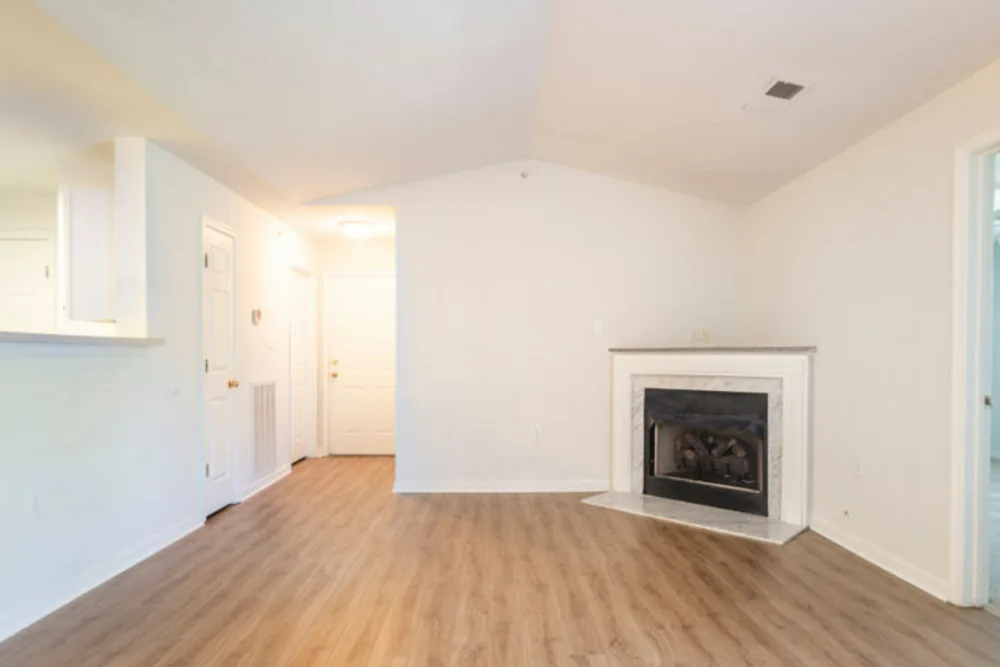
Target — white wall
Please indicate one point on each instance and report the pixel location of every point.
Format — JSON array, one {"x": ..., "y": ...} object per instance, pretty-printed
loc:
[
  {"x": 27, "y": 210},
  {"x": 500, "y": 282},
  {"x": 358, "y": 256},
  {"x": 266, "y": 249},
  {"x": 855, "y": 257},
  {"x": 101, "y": 454}
]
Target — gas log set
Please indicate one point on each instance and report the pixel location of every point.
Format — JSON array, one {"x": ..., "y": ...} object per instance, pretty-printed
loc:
[
  {"x": 707, "y": 447},
  {"x": 715, "y": 457}
]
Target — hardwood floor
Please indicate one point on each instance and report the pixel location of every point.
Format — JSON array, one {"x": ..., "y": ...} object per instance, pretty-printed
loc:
[{"x": 328, "y": 568}]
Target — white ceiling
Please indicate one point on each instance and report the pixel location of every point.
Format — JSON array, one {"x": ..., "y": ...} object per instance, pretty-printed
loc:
[
  {"x": 317, "y": 98},
  {"x": 325, "y": 222},
  {"x": 61, "y": 103}
]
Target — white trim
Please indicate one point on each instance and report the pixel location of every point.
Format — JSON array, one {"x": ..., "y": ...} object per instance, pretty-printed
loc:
[
  {"x": 312, "y": 325},
  {"x": 75, "y": 339},
  {"x": 972, "y": 266},
  {"x": 234, "y": 454},
  {"x": 503, "y": 486},
  {"x": 218, "y": 226},
  {"x": 794, "y": 371},
  {"x": 936, "y": 586},
  {"x": 332, "y": 273},
  {"x": 21, "y": 235},
  {"x": 322, "y": 318},
  {"x": 42, "y": 607},
  {"x": 265, "y": 482}
]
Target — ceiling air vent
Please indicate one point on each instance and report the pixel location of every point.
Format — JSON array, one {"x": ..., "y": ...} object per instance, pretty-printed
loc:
[{"x": 784, "y": 90}]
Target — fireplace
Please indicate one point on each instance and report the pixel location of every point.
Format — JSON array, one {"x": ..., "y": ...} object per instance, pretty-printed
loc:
[{"x": 707, "y": 447}]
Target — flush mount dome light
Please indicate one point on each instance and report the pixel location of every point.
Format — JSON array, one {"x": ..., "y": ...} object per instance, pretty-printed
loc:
[{"x": 356, "y": 229}]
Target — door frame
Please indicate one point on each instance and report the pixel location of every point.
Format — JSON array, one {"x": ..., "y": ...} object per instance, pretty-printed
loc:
[
  {"x": 312, "y": 325},
  {"x": 234, "y": 458},
  {"x": 972, "y": 328},
  {"x": 322, "y": 434}
]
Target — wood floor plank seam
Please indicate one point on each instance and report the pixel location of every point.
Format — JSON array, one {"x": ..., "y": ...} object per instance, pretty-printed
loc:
[{"x": 328, "y": 568}]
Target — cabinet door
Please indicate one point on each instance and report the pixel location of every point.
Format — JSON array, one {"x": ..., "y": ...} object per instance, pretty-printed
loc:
[{"x": 89, "y": 269}]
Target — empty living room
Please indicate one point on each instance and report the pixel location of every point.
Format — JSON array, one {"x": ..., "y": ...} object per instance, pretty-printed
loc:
[{"x": 568, "y": 333}]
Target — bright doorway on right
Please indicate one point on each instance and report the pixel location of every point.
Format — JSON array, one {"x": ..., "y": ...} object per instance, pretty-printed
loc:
[
  {"x": 359, "y": 337},
  {"x": 994, "y": 499}
]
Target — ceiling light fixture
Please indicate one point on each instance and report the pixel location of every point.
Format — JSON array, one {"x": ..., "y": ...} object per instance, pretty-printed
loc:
[{"x": 356, "y": 229}]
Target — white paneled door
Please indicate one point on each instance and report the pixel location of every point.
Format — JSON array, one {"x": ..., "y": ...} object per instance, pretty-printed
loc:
[
  {"x": 27, "y": 296},
  {"x": 220, "y": 381},
  {"x": 361, "y": 365},
  {"x": 302, "y": 367}
]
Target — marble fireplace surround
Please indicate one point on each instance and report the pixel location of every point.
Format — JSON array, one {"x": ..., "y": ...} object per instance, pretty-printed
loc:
[
  {"x": 769, "y": 386},
  {"x": 781, "y": 373}
]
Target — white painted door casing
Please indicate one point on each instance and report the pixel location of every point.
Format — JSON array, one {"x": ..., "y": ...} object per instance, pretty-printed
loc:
[
  {"x": 218, "y": 334},
  {"x": 360, "y": 372},
  {"x": 302, "y": 352}
]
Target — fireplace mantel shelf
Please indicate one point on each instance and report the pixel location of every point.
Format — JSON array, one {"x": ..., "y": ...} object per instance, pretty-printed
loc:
[{"x": 708, "y": 349}]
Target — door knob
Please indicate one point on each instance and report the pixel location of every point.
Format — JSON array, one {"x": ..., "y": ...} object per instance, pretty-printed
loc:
[
  {"x": 233, "y": 384},
  {"x": 335, "y": 375},
  {"x": 988, "y": 400}
]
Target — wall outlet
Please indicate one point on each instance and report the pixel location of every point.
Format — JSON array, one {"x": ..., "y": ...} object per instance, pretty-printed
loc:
[
  {"x": 598, "y": 326},
  {"x": 536, "y": 432},
  {"x": 701, "y": 336}
]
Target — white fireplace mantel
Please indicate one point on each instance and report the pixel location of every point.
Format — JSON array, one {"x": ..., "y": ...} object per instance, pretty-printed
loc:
[{"x": 783, "y": 373}]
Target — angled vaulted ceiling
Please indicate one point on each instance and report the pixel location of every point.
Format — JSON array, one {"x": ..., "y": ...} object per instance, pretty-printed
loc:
[{"x": 322, "y": 97}]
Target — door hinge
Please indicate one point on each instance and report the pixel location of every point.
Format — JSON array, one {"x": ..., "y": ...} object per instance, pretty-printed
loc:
[
  {"x": 46, "y": 270},
  {"x": 206, "y": 470},
  {"x": 206, "y": 365},
  {"x": 206, "y": 260}
]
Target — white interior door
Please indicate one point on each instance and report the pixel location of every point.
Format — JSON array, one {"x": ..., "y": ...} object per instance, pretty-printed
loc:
[
  {"x": 302, "y": 366},
  {"x": 27, "y": 293},
  {"x": 220, "y": 400},
  {"x": 361, "y": 368}
]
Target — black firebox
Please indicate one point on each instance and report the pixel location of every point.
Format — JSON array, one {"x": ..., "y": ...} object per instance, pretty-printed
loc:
[{"x": 707, "y": 447}]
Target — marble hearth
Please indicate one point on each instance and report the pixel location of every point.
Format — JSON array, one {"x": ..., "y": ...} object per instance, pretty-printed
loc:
[{"x": 783, "y": 374}]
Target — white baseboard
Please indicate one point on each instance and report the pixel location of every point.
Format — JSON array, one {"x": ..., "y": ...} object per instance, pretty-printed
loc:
[
  {"x": 265, "y": 482},
  {"x": 504, "y": 486},
  {"x": 43, "y": 606},
  {"x": 891, "y": 563}
]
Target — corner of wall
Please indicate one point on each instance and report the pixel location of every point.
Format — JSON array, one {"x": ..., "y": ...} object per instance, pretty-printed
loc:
[
  {"x": 49, "y": 602},
  {"x": 882, "y": 558}
]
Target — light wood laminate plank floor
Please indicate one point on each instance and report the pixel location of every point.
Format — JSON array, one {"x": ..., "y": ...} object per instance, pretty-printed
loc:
[{"x": 329, "y": 568}]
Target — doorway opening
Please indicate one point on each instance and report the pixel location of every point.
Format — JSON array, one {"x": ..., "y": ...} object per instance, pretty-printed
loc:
[
  {"x": 359, "y": 334},
  {"x": 975, "y": 482},
  {"x": 302, "y": 365}
]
